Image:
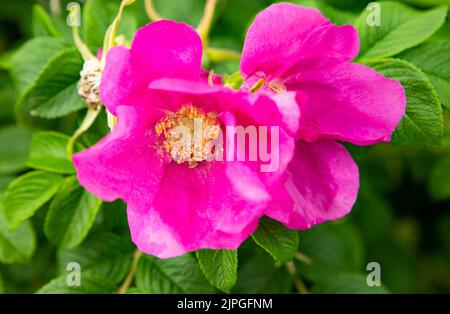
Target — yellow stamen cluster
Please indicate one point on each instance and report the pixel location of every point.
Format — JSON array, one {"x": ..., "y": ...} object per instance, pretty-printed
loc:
[{"x": 194, "y": 144}]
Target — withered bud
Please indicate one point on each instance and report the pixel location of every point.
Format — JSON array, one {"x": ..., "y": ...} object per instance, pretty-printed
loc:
[{"x": 89, "y": 84}]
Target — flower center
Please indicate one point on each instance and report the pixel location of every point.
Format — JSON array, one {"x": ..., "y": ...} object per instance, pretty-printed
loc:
[{"x": 188, "y": 135}]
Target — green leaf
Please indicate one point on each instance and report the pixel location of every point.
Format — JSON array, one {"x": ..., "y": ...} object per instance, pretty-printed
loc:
[
  {"x": 42, "y": 24},
  {"x": 18, "y": 245},
  {"x": 54, "y": 93},
  {"x": 13, "y": 157},
  {"x": 401, "y": 28},
  {"x": 258, "y": 272},
  {"x": 25, "y": 195},
  {"x": 90, "y": 283},
  {"x": 106, "y": 254},
  {"x": 219, "y": 267},
  {"x": 423, "y": 120},
  {"x": 72, "y": 213},
  {"x": 434, "y": 60},
  {"x": 176, "y": 275},
  {"x": 48, "y": 152},
  {"x": 98, "y": 16},
  {"x": 330, "y": 249},
  {"x": 281, "y": 243},
  {"x": 347, "y": 283},
  {"x": 439, "y": 183},
  {"x": 30, "y": 59}
]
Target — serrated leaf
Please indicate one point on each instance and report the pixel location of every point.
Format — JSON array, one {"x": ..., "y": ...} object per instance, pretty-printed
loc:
[
  {"x": 401, "y": 27},
  {"x": 71, "y": 215},
  {"x": 176, "y": 275},
  {"x": 42, "y": 24},
  {"x": 49, "y": 152},
  {"x": 347, "y": 283},
  {"x": 259, "y": 273},
  {"x": 434, "y": 60},
  {"x": 439, "y": 182},
  {"x": 18, "y": 245},
  {"x": 105, "y": 254},
  {"x": 54, "y": 93},
  {"x": 30, "y": 59},
  {"x": 423, "y": 120},
  {"x": 13, "y": 157},
  {"x": 219, "y": 267},
  {"x": 280, "y": 242},
  {"x": 90, "y": 283},
  {"x": 330, "y": 250},
  {"x": 25, "y": 195}
]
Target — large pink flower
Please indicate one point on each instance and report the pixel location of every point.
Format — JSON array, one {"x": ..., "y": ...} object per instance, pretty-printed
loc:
[
  {"x": 175, "y": 206},
  {"x": 293, "y": 49}
]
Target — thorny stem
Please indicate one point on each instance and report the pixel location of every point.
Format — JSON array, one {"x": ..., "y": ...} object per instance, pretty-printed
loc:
[
  {"x": 89, "y": 119},
  {"x": 151, "y": 12},
  {"x": 204, "y": 26},
  {"x": 129, "y": 279},
  {"x": 299, "y": 284}
]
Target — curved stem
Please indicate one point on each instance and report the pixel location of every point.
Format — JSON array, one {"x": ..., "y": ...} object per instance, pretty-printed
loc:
[
  {"x": 74, "y": 14},
  {"x": 151, "y": 12},
  {"x": 222, "y": 54},
  {"x": 204, "y": 26},
  {"x": 129, "y": 279},
  {"x": 299, "y": 284},
  {"x": 88, "y": 120},
  {"x": 86, "y": 54},
  {"x": 110, "y": 35}
]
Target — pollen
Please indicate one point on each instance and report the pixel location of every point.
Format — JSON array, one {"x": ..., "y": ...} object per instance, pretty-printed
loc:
[{"x": 188, "y": 135}]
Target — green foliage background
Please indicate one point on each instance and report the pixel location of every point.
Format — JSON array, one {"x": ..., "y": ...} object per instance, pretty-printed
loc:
[{"x": 401, "y": 219}]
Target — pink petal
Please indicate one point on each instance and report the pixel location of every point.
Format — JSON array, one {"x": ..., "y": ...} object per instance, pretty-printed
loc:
[
  {"x": 117, "y": 78},
  {"x": 274, "y": 39},
  {"x": 125, "y": 163},
  {"x": 348, "y": 102},
  {"x": 322, "y": 184},
  {"x": 159, "y": 49},
  {"x": 198, "y": 208}
]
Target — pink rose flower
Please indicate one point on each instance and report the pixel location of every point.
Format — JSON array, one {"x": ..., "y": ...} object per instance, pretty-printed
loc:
[
  {"x": 176, "y": 204},
  {"x": 292, "y": 49}
]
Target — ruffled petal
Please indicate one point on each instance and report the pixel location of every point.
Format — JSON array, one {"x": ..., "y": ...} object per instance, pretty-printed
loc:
[
  {"x": 274, "y": 39},
  {"x": 348, "y": 102},
  {"x": 166, "y": 49},
  {"x": 117, "y": 78},
  {"x": 322, "y": 183},
  {"x": 163, "y": 49},
  {"x": 124, "y": 164},
  {"x": 198, "y": 208}
]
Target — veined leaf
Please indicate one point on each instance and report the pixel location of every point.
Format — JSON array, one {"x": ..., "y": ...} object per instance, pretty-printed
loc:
[
  {"x": 25, "y": 195},
  {"x": 423, "y": 120},
  {"x": 401, "y": 27},
  {"x": 72, "y": 213},
  {"x": 280, "y": 242},
  {"x": 219, "y": 267},
  {"x": 176, "y": 275},
  {"x": 48, "y": 152}
]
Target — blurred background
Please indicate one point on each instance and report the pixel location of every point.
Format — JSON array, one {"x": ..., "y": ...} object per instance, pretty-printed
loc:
[{"x": 402, "y": 216}]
